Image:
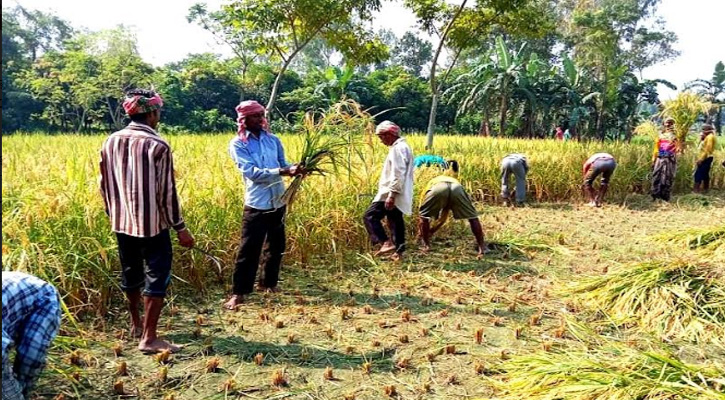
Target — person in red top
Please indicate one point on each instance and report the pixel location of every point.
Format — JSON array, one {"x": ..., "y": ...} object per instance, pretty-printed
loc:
[
  {"x": 559, "y": 133},
  {"x": 664, "y": 162}
]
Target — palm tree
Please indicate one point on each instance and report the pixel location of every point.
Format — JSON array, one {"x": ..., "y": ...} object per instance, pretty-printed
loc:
[{"x": 714, "y": 92}]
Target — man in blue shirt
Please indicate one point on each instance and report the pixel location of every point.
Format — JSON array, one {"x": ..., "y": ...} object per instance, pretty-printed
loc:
[
  {"x": 260, "y": 158},
  {"x": 31, "y": 317}
]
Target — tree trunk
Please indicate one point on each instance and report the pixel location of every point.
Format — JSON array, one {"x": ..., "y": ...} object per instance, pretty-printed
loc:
[
  {"x": 275, "y": 87},
  {"x": 431, "y": 122},
  {"x": 433, "y": 85},
  {"x": 502, "y": 116}
]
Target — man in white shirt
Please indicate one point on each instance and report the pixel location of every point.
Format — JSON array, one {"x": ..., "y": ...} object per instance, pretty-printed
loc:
[{"x": 395, "y": 193}]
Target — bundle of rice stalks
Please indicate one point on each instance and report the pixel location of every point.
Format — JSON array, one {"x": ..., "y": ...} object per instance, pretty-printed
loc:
[
  {"x": 710, "y": 240},
  {"x": 677, "y": 299},
  {"x": 328, "y": 142},
  {"x": 611, "y": 372},
  {"x": 684, "y": 109}
]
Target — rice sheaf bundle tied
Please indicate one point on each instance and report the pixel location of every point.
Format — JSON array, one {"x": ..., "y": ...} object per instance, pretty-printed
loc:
[
  {"x": 611, "y": 371},
  {"x": 676, "y": 299}
]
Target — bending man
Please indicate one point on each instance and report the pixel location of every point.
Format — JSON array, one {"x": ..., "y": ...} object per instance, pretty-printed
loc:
[{"x": 443, "y": 195}]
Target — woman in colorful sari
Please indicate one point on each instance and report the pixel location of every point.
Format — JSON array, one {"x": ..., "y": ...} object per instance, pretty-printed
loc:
[{"x": 664, "y": 162}]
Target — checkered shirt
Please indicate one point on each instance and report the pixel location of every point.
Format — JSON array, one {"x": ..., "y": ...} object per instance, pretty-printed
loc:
[{"x": 31, "y": 318}]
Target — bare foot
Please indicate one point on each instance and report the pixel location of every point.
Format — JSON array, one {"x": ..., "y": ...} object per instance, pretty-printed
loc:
[
  {"x": 386, "y": 248},
  {"x": 592, "y": 204},
  {"x": 265, "y": 289},
  {"x": 396, "y": 257},
  {"x": 136, "y": 331},
  {"x": 157, "y": 346},
  {"x": 234, "y": 302}
]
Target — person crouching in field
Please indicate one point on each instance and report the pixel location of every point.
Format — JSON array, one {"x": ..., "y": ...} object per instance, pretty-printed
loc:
[
  {"x": 705, "y": 159},
  {"x": 260, "y": 158},
  {"x": 664, "y": 162},
  {"x": 516, "y": 165},
  {"x": 139, "y": 193},
  {"x": 395, "y": 193},
  {"x": 444, "y": 195},
  {"x": 599, "y": 164},
  {"x": 31, "y": 318}
]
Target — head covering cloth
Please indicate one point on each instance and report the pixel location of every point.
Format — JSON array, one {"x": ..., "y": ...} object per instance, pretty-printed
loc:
[
  {"x": 387, "y": 127},
  {"x": 244, "y": 109},
  {"x": 138, "y": 103}
]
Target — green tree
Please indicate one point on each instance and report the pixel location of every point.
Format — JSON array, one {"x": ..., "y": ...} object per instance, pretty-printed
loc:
[
  {"x": 714, "y": 92},
  {"x": 598, "y": 34},
  {"x": 412, "y": 53},
  {"x": 83, "y": 86},
  {"x": 281, "y": 29},
  {"x": 25, "y": 36}
]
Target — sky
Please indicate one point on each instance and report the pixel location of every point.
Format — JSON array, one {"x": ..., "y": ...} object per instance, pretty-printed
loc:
[{"x": 164, "y": 35}]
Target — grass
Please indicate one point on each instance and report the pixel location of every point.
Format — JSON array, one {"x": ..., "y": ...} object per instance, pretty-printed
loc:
[{"x": 436, "y": 326}]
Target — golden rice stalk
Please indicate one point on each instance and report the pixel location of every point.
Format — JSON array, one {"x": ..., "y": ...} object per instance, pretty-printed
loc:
[
  {"x": 610, "y": 372},
  {"x": 684, "y": 109},
  {"x": 676, "y": 299}
]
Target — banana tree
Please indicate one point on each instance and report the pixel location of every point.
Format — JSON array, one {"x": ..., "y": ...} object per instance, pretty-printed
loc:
[
  {"x": 339, "y": 83},
  {"x": 714, "y": 91}
]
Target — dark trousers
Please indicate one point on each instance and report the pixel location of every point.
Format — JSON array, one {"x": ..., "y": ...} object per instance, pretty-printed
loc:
[
  {"x": 258, "y": 227},
  {"x": 373, "y": 223},
  {"x": 145, "y": 262},
  {"x": 702, "y": 172}
]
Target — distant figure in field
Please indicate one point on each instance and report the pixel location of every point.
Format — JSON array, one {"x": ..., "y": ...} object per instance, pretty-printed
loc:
[
  {"x": 704, "y": 159},
  {"x": 514, "y": 164},
  {"x": 395, "y": 193},
  {"x": 664, "y": 162},
  {"x": 31, "y": 317},
  {"x": 567, "y": 135},
  {"x": 139, "y": 194},
  {"x": 428, "y": 160},
  {"x": 444, "y": 195},
  {"x": 559, "y": 134},
  {"x": 602, "y": 164}
]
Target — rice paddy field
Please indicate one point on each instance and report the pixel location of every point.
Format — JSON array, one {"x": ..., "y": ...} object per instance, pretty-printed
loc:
[{"x": 626, "y": 301}]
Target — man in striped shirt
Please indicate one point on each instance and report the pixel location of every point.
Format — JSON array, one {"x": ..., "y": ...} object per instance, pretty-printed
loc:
[{"x": 139, "y": 193}]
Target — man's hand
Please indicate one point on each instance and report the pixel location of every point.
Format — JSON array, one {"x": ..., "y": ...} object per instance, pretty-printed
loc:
[
  {"x": 390, "y": 201},
  {"x": 293, "y": 170},
  {"x": 185, "y": 238}
]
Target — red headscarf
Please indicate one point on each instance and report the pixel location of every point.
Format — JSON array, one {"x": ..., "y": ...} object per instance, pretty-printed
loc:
[
  {"x": 244, "y": 109},
  {"x": 387, "y": 127},
  {"x": 142, "y": 103}
]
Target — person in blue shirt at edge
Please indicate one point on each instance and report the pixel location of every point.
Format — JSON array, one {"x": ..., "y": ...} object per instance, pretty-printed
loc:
[
  {"x": 429, "y": 160},
  {"x": 260, "y": 158},
  {"x": 31, "y": 318}
]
